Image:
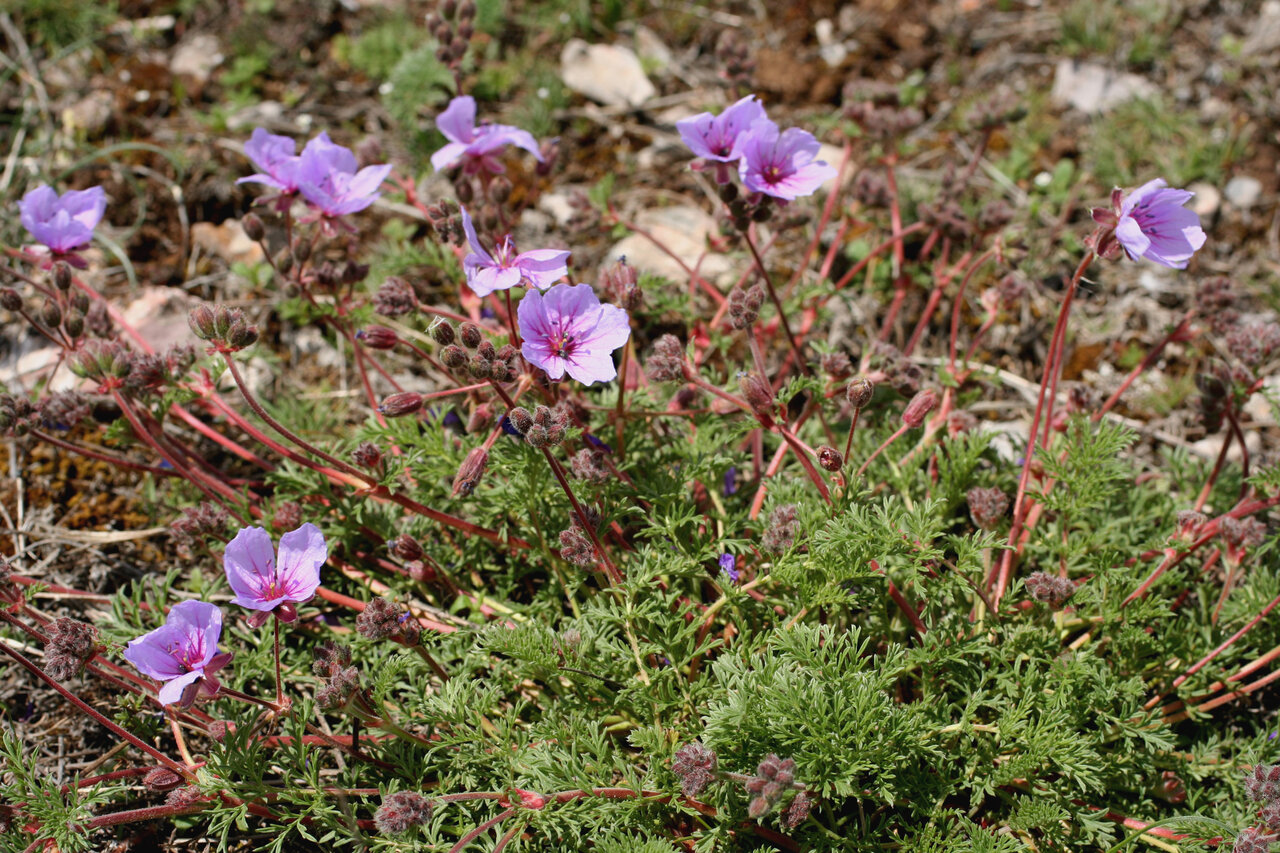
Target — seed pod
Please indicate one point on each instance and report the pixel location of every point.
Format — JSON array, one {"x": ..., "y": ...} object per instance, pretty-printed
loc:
[{"x": 399, "y": 405}]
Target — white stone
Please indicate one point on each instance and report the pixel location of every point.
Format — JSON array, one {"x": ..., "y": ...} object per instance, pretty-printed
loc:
[
  {"x": 651, "y": 48},
  {"x": 1243, "y": 191},
  {"x": 228, "y": 241},
  {"x": 262, "y": 114},
  {"x": 1092, "y": 89},
  {"x": 196, "y": 58},
  {"x": 90, "y": 114},
  {"x": 608, "y": 73},
  {"x": 683, "y": 230},
  {"x": 558, "y": 205},
  {"x": 1208, "y": 199}
]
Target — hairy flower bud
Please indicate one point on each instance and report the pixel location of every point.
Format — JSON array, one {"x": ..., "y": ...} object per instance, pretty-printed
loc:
[
  {"x": 987, "y": 506},
  {"x": 71, "y": 645},
  {"x": 1049, "y": 589},
  {"x": 470, "y": 472},
  {"x": 470, "y": 335},
  {"x": 367, "y": 455},
  {"x": 399, "y": 405},
  {"x": 758, "y": 392},
  {"x": 695, "y": 766},
  {"x": 161, "y": 779},
  {"x": 405, "y": 547},
  {"x": 253, "y": 227},
  {"x": 836, "y": 365},
  {"x": 10, "y": 300},
  {"x": 395, "y": 298},
  {"x": 666, "y": 362},
  {"x": 797, "y": 811},
  {"x": 830, "y": 459},
  {"x": 621, "y": 280},
  {"x": 454, "y": 357},
  {"x": 378, "y": 337},
  {"x": 921, "y": 405},
  {"x": 576, "y": 548},
  {"x": 784, "y": 525},
  {"x": 442, "y": 332},
  {"x": 402, "y": 811},
  {"x": 859, "y": 392},
  {"x": 520, "y": 419},
  {"x": 744, "y": 306}
]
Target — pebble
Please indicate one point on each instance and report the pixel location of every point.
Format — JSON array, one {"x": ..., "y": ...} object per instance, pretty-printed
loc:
[
  {"x": 683, "y": 229},
  {"x": 228, "y": 241},
  {"x": 1208, "y": 199},
  {"x": 89, "y": 115},
  {"x": 1243, "y": 191},
  {"x": 608, "y": 73},
  {"x": 1093, "y": 89},
  {"x": 196, "y": 58}
]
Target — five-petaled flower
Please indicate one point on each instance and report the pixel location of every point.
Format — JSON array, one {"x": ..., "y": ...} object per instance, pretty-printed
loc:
[
  {"x": 1150, "y": 223},
  {"x": 183, "y": 653},
  {"x": 567, "y": 330},
  {"x": 62, "y": 223},
  {"x": 781, "y": 164},
  {"x": 476, "y": 147},
  {"x": 718, "y": 137},
  {"x": 267, "y": 585},
  {"x": 331, "y": 181},
  {"x": 505, "y": 269},
  {"x": 277, "y": 161}
]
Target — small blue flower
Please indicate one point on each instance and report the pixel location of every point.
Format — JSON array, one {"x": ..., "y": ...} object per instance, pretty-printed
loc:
[{"x": 729, "y": 566}]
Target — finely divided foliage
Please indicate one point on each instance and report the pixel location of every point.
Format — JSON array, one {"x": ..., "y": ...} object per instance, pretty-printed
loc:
[{"x": 653, "y": 565}]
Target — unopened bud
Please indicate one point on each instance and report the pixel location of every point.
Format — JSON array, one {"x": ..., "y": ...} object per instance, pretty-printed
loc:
[
  {"x": 470, "y": 335},
  {"x": 10, "y": 300},
  {"x": 859, "y": 392},
  {"x": 378, "y": 337},
  {"x": 830, "y": 459},
  {"x": 62, "y": 275},
  {"x": 74, "y": 323},
  {"x": 520, "y": 419},
  {"x": 921, "y": 405},
  {"x": 470, "y": 472},
  {"x": 441, "y": 332},
  {"x": 253, "y": 227},
  {"x": 758, "y": 392},
  {"x": 161, "y": 779},
  {"x": 51, "y": 314},
  {"x": 399, "y": 405},
  {"x": 302, "y": 251},
  {"x": 405, "y": 547}
]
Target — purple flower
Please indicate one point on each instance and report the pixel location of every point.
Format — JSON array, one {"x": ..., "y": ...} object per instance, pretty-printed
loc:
[
  {"x": 568, "y": 330},
  {"x": 1152, "y": 223},
  {"x": 476, "y": 146},
  {"x": 505, "y": 269},
  {"x": 718, "y": 137},
  {"x": 781, "y": 164},
  {"x": 276, "y": 160},
  {"x": 327, "y": 177},
  {"x": 729, "y": 565},
  {"x": 183, "y": 652},
  {"x": 62, "y": 223},
  {"x": 263, "y": 584}
]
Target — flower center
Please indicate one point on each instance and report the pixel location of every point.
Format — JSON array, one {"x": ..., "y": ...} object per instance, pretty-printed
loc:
[
  {"x": 773, "y": 174},
  {"x": 561, "y": 344}
]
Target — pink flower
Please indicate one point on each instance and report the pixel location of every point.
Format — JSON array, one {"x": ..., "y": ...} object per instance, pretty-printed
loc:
[
  {"x": 329, "y": 179},
  {"x": 265, "y": 585},
  {"x": 476, "y": 146},
  {"x": 781, "y": 164},
  {"x": 505, "y": 269},
  {"x": 1152, "y": 223},
  {"x": 62, "y": 223},
  {"x": 183, "y": 652},
  {"x": 717, "y": 137},
  {"x": 567, "y": 330},
  {"x": 276, "y": 158}
]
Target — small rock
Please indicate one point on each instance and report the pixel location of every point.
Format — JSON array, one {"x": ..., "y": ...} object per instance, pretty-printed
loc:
[
  {"x": 558, "y": 205},
  {"x": 683, "y": 230},
  {"x": 268, "y": 114},
  {"x": 651, "y": 48},
  {"x": 89, "y": 115},
  {"x": 1093, "y": 89},
  {"x": 831, "y": 49},
  {"x": 196, "y": 57},
  {"x": 833, "y": 155},
  {"x": 228, "y": 241},
  {"x": 1208, "y": 199},
  {"x": 1243, "y": 191},
  {"x": 608, "y": 73}
]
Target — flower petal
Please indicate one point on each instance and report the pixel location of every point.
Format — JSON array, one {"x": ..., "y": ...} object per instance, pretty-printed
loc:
[
  {"x": 458, "y": 121},
  {"x": 1130, "y": 235},
  {"x": 302, "y": 553},
  {"x": 250, "y": 564},
  {"x": 173, "y": 691}
]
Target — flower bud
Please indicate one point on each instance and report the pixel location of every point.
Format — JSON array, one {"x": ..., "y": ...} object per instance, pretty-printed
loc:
[
  {"x": 859, "y": 392},
  {"x": 830, "y": 459},
  {"x": 10, "y": 300},
  {"x": 758, "y": 392},
  {"x": 253, "y": 227},
  {"x": 399, "y": 405},
  {"x": 487, "y": 350},
  {"x": 302, "y": 251},
  {"x": 51, "y": 314},
  {"x": 441, "y": 332},
  {"x": 470, "y": 472},
  {"x": 520, "y": 419},
  {"x": 405, "y": 547},
  {"x": 367, "y": 455},
  {"x": 470, "y": 335},
  {"x": 921, "y": 405},
  {"x": 453, "y": 356},
  {"x": 74, "y": 323},
  {"x": 161, "y": 779},
  {"x": 378, "y": 337},
  {"x": 62, "y": 275}
]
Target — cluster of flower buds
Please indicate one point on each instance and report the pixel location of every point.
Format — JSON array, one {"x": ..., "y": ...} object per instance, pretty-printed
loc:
[
  {"x": 1262, "y": 785},
  {"x": 225, "y": 328},
  {"x": 542, "y": 428},
  {"x": 987, "y": 506},
  {"x": 575, "y": 546},
  {"x": 486, "y": 362},
  {"x": 774, "y": 778},
  {"x": 1254, "y": 343},
  {"x": 152, "y": 373},
  {"x": 1050, "y": 589},
  {"x": 734, "y": 56},
  {"x": 204, "y": 520},
  {"x": 382, "y": 619},
  {"x": 62, "y": 410},
  {"x": 743, "y": 210},
  {"x": 71, "y": 645},
  {"x": 453, "y": 25},
  {"x": 402, "y": 811},
  {"x": 695, "y": 766},
  {"x": 784, "y": 525},
  {"x": 666, "y": 362},
  {"x": 877, "y": 108},
  {"x": 342, "y": 680},
  {"x": 1002, "y": 107},
  {"x": 367, "y": 455},
  {"x": 395, "y": 298},
  {"x": 17, "y": 415},
  {"x": 331, "y": 276},
  {"x": 588, "y": 465},
  {"x": 744, "y": 306},
  {"x": 105, "y": 362},
  {"x": 871, "y": 189},
  {"x": 1238, "y": 536},
  {"x": 837, "y": 365},
  {"x": 900, "y": 372},
  {"x": 621, "y": 280}
]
